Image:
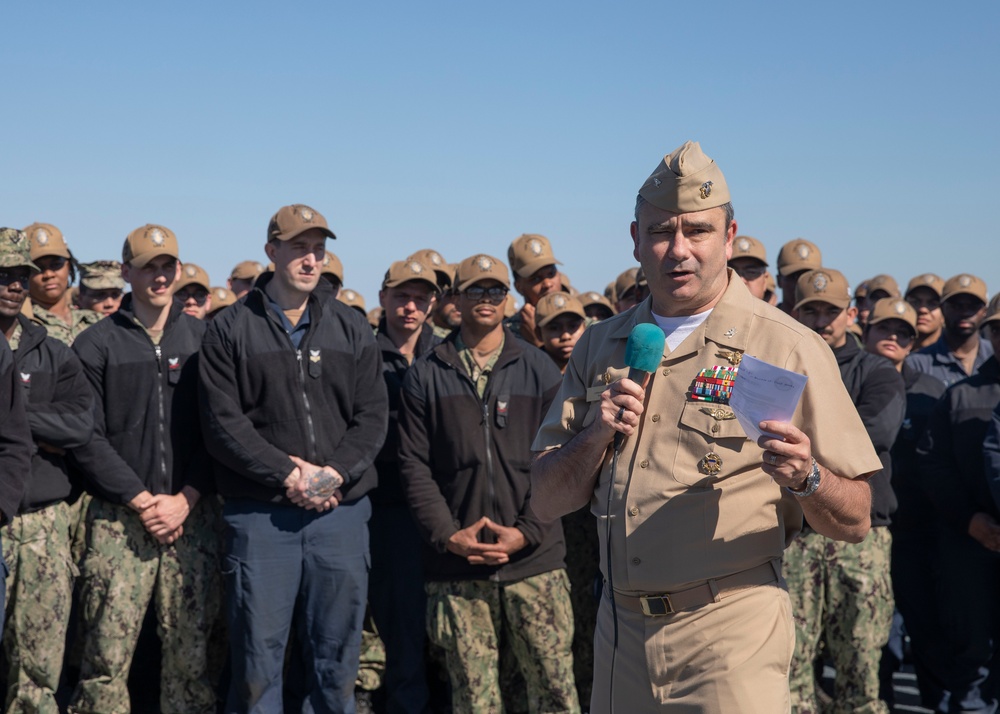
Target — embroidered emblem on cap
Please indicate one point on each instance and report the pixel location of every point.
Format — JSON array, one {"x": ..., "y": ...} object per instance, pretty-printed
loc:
[
  {"x": 820, "y": 281},
  {"x": 190, "y": 271},
  {"x": 559, "y": 302},
  {"x": 802, "y": 251},
  {"x": 706, "y": 189},
  {"x": 930, "y": 278},
  {"x": 415, "y": 267},
  {"x": 900, "y": 307},
  {"x": 535, "y": 246},
  {"x": 484, "y": 263},
  {"x": 221, "y": 294},
  {"x": 42, "y": 236},
  {"x": 965, "y": 281},
  {"x": 711, "y": 464},
  {"x": 743, "y": 245},
  {"x": 435, "y": 257},
  {"x": 156, "y": 237},
  {"x": 326, "y": 261},
  {"x": 350, "y": 294},
  {"x": 15, "y": 237},
  {"x": 306, "y": 214}
]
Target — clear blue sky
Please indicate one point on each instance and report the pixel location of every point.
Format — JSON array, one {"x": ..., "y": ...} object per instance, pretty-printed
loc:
[{"x": 868, "y": 128}]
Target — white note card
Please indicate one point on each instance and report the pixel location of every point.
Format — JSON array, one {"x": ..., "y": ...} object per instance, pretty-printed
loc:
[{"x": 763, "y": 392}]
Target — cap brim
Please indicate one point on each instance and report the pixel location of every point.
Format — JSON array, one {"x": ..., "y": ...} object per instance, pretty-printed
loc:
[
  {"x": 482, "y": 279},
  {"x": 795, "y": 268},
  {"x": 140, "y": 260},
  {"x": 397, "y": 283},
  {"x": 289, "y": 236},
  {"x": 529, "y": 269},
  {"x": 842, "y": 305},
  {"x": 954, "y": 293}
]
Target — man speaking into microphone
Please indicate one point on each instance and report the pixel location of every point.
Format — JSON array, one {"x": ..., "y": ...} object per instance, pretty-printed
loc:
[{"x": 692, "y": 515}]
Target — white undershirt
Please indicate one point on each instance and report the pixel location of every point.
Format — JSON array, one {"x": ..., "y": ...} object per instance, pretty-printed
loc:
[{"x": 677, "y": 328}]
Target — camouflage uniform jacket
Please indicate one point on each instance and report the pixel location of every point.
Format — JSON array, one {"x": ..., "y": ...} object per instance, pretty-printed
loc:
[
  {"x": 80, "y": 320},
  {"x": 60, "y": 411}
]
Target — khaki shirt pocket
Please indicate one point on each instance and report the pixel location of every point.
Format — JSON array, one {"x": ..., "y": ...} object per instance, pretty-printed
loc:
[{"x": 708, "y": 428}]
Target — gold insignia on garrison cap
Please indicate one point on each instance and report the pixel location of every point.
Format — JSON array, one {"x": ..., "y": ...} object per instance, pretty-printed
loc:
[{"x": 706, "y": 189}]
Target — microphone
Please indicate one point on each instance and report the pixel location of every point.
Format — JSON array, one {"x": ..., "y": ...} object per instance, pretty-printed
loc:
[{"x": 643, "y": 353}]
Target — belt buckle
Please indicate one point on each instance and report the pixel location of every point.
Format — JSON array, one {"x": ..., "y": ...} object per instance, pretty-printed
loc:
[{"x": 656, "y": 605}]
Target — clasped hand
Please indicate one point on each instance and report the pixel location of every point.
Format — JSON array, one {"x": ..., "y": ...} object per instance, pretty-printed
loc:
[
  {"x": 315, "y": 488},
  {"x": 466, "y": 543}
]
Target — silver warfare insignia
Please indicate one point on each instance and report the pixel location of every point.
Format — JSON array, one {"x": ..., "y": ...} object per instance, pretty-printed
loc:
[{"x": 706, "y": 189}]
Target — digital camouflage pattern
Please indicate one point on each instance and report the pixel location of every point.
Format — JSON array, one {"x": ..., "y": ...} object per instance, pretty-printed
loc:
[
  {"x": 124, "y": 570},
  {"x": 80, "y": 320},
  {"x": 36, "y": 548},
  {"x": 841, "y": 594},
  {"x": 535, "y": 618},
  {"x": 371, "y": 666}
]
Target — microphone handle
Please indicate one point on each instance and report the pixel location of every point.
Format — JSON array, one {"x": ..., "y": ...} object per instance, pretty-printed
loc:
[{"x": 639, "y": 377}]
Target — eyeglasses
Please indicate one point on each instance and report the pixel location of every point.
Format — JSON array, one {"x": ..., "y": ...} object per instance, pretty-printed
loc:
[
  {"x": 916, "y": 303},
  {"x": 51, "y": 262},
  {"x": 7, "y": 278},
  {"x": 199, "y": 296},
  {"x": 493, "y": 294}
]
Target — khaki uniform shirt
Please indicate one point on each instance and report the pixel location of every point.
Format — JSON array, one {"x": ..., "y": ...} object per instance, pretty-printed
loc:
[
  {"x": 80, "y": 321},
  {"x": 674, "y": 524}
]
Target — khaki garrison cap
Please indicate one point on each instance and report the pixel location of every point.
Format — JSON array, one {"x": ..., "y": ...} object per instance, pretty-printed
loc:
[
  {"x": 927, "y": 280},
  {"x": 333, "y": 266},
  {"x": 964, "y": 284},
  {"x": 403, "y": 271},
  {"x": 478, "y": 268},
  {"x": 46, "y": 239},
  {"x": 747, "y": 247},
  {"x": 294, "y": 220},
  {"x": 686, "y": 180},
  {"x": 192, "y": 274},
  {"x": 893, "y": 308},
  {"x": 247, "y": 270},
  {"x": 354, "y": 299},
  {"x": 528, "y": 253},
  {"x": 222, "y": 297},
  {"x": 823, "y": 285},
  {"x": 798, "y": 254},
  {"x": 102, "y": 275},
  {"x": 885, "y": 283},
  {"x": 147, "y": 242},
  {"x": 553, "y": 305},
  {"x": 15, "y": 249}
]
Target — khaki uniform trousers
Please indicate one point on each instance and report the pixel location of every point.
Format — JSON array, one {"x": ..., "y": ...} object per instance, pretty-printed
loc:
[
  {"x": 124, "y": 570},
  {"x": 39, "y": 596},
  {"x": 724, "y": 657}
]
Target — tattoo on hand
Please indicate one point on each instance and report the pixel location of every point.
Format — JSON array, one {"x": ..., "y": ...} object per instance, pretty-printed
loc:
[{"x": 322, "y": 484}]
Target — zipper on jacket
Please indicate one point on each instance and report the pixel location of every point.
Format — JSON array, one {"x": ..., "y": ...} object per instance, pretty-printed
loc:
[
  {"x": 305, "y": 403},
  {"x": 162, "y": 417}
]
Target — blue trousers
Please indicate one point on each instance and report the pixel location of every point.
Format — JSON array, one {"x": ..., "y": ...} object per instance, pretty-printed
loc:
[{"x": 283, "y": 562}]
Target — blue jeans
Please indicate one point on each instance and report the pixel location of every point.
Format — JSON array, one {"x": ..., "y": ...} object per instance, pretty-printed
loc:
[{"x": 280, "y": 562}]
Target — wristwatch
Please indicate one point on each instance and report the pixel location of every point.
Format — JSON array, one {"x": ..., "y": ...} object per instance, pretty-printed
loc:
[{"x": 812, "y": 483}]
